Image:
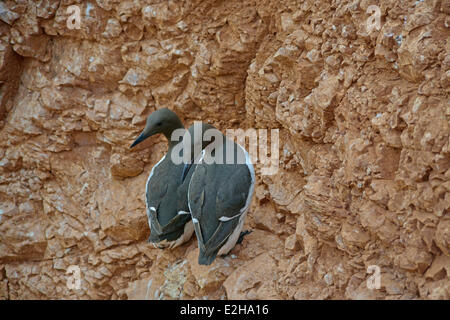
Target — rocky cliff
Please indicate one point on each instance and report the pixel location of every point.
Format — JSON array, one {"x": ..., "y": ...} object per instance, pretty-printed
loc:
[{"x": 359, "y": 90}]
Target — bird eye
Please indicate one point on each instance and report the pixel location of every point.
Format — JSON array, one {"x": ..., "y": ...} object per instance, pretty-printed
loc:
[{"x": 159, "y": 124}]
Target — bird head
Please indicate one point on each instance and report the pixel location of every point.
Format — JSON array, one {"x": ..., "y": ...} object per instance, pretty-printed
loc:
[{"x": 162, "y": 121}]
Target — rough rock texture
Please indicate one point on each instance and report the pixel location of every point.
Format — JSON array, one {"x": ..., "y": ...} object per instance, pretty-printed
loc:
[{"x": 364, "y": 171}]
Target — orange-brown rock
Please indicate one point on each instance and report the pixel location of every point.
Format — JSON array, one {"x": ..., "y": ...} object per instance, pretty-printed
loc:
[{"x": 363, "y": 173}]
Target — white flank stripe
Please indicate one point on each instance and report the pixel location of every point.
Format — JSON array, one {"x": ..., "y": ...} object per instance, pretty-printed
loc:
[
  {"x": 224, "y": 218},
  {"x": 252, "y": 174}
]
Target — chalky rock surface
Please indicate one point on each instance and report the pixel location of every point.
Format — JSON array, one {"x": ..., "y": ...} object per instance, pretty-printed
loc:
[{"x": 363, "y": 115}]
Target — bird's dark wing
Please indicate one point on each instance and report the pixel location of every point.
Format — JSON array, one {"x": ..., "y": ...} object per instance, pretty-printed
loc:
[
  {"x": 183, "y": 188},
  {"x": 216, "y": 191},
  {"x": 231, "y": 198},
  {"x": 196, "y": 198},
  {"x": 162, "y": 194}
]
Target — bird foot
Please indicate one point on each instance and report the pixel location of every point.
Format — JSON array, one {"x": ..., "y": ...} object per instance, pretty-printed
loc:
[
  {"x": 239, "y": 241},
  {"x": 242, "y": 235},
  {"x": 154, "y": 244}
]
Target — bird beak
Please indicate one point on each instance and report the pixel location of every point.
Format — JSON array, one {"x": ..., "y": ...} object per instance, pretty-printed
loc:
[{"x": 139, "y": 139}]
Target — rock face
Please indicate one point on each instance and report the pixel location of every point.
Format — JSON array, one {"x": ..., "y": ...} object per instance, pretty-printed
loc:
[{"x": 362, "y": 107}]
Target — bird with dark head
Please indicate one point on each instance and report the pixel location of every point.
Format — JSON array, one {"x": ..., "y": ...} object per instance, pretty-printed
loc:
[
  {"x": 167, "y": 186},
  {"x": 220, "y": 192},
  {"x": 162, "y": 121}
]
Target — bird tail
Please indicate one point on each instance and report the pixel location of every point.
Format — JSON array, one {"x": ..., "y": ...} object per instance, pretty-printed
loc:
[{"x": 206, "y": 258}]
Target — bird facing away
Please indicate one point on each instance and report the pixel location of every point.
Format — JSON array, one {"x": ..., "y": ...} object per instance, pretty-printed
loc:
[
  {"x": 219, "y": 194},
  {"x": 167, "y": 186}
]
